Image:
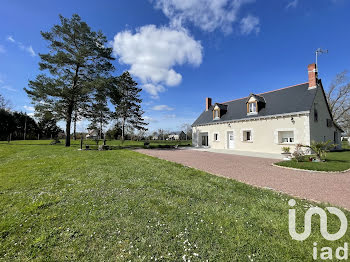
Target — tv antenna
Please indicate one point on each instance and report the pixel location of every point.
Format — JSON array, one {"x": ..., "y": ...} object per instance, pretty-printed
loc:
[{"x": 320, "y": 51}]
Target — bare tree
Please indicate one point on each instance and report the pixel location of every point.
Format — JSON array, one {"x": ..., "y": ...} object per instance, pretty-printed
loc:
[
  {"x": 4, "y": 104},
  {"x": 338, "y": 97},
  {"x": 141, "y": 134},
  {"x": 161, "y": 134},
  {"x": 187, "y": 128}
]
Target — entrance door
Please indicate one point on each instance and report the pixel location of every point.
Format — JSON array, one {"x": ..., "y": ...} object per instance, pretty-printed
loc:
[
  {"x": 204, "y": 140},
  {"x": 231, "y": 140}
]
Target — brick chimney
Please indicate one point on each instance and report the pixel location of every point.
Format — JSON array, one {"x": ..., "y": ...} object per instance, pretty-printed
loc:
[
  {"x": 207, "y": 103},
  {"x": 312, "y": 71}
]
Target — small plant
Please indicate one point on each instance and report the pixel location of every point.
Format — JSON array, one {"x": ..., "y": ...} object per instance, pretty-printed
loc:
[
  {"x": 298, "y": 154},
  {"x": 321, "y": 148},
  {"x": 286, "y": 149}
]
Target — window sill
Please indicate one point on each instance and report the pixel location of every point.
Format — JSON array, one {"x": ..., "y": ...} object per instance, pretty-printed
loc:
[
  {"x": 249, "y": 141},
  {"x": 252, "y": 113},
  {"x": 287, "y": 144}
]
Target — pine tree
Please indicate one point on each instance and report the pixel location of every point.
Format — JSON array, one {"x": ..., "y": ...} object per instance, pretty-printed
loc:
[
  {"x": 48, "y": 126},
  {"x": 77, "y": 59},
  {"x": 99, "y": 112},
  {"x": 127, "y": 103}
]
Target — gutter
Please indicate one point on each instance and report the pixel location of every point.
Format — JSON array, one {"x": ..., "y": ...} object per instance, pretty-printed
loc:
[{"x": 256, "y": 118}]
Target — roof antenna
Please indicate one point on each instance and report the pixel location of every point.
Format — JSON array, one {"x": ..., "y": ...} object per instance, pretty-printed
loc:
[{"x": 320, "y": 51}]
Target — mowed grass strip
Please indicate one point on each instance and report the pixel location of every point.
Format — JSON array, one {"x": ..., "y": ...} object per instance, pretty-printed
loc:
[
  {"x": 335, "y": 161},
  {"x": 59, "y": 203}
]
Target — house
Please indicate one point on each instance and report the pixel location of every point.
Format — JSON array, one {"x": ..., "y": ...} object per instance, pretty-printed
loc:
[
  {"x": 179, "y": 135},
  {"x": 268, "y": 121},
  {"x": 92, "y": 134}
]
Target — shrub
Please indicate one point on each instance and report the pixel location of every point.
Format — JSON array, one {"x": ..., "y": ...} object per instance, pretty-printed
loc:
[
  {"x": 321, "y": 148},
  {"x": 298, "y": 154}
]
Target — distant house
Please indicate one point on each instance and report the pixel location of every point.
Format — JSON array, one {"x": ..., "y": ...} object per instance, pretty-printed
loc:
[
  {"x": 92, "y": 134},
  {"x": 268, "y": 121},
  {"x": 179, "y": 135}
]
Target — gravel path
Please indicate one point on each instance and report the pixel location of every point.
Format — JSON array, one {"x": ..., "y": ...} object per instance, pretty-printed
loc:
[{"x": 333, "y": 188}]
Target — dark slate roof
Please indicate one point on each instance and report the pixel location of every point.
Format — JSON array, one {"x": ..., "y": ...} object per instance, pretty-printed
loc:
[
  {"x": 176, "y": 132},
  {"x": 221, "y": 106},
  {"x": 282, "y": 101}
]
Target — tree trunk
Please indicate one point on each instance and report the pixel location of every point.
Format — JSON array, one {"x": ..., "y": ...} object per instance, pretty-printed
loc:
[
  {"x": 101, "y": 124},
  {"x": 68, "y": 124},
  {"x": 123, "y": 126},
  {"x": 75, "y": 128}
]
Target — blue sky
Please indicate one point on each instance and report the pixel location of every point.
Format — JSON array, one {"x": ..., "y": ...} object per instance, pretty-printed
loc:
[{"x": 182, "y": 51}]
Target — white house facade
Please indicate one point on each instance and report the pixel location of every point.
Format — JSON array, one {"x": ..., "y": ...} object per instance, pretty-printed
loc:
[{"x": 268, "y": 121}]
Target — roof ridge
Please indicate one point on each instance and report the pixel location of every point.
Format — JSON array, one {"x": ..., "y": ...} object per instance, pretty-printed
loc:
[{"x": 265, "y": 92}]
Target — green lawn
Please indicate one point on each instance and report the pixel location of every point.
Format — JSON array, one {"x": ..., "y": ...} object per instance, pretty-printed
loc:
[
  {"x": 61, "y": 204},
  {"x": 335, "y": 161}
]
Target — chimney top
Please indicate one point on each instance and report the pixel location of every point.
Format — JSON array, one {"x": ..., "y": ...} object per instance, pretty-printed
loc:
[
  {"x": 207, "y": 103},
  {"x": 312, "y": 72}
]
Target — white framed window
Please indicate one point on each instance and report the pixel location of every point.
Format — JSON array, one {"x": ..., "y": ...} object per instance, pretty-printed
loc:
[
  {"x": 216, "y": 114},
  {"x": 216, "y": 137},
  {"x": 247, "y": 136},
  {"x": 286, "y": 137},
  {"x": 252, "y": 107}
]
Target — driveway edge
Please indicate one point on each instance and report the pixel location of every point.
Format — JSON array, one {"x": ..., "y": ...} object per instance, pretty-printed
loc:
[{"x": 312, "y": 171}]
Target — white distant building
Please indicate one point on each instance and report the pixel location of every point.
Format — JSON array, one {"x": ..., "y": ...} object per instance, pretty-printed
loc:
[
  {"x": 92, "y": 134},
  {"x": 179, "y": 135}
]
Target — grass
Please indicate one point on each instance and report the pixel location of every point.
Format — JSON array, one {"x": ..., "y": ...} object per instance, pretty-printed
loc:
[
  {"x": 61, "y": 204},
  {"x": 335, "y": 161},
  {"x": 129, "y": 143}
]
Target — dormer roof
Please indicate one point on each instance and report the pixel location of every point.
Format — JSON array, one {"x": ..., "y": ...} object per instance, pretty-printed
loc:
[{"x": 258, "y": 98}]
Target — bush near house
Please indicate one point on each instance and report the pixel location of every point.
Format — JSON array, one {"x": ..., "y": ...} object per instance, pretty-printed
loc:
[
  {"x": 335, "y": 161},
  {"x": 61, "y": 204}
]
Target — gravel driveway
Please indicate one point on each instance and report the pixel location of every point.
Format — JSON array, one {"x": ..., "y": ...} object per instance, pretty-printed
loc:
[{"x": 333, "y": 188}]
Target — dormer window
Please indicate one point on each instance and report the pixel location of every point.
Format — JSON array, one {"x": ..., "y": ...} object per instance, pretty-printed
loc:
[
  {"x": 219, "y": 111},
  {"x": 216, "y": 114},
  {"x": 252, "y": 107},
  {"x": 254, "y": 104}
]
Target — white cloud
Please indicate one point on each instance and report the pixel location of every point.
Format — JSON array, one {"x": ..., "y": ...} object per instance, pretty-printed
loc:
[
  {"x": 152, "y": 53},
  {"x": 29, "y": 108},
  {"x": 153, "y": 90},
  {"x": 29, "y": 49},
  {"x": 162, "y": 108},
  {"x": 150, "y": 119},
  {"x": 208, "y": 15},
  {"x": 10, "y": 38},
  {"x": 292, "y": 4},
  {"x": 250, "y": 24},
  {"x": 2, "y": 49},
  {"x": 7, "y": 87},
  {"x": 169, "y": 116}
]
